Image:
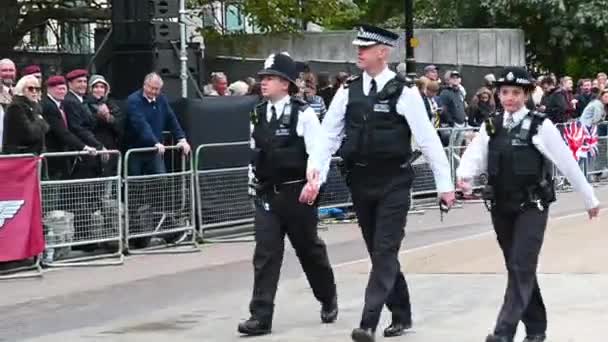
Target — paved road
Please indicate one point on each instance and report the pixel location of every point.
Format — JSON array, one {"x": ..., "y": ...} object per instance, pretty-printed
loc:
[{"x": 456, "y": 277}]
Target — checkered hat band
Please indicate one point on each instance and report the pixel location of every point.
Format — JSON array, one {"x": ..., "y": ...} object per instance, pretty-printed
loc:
[
  {"x": 375, "y": 37},
  {"x": 517, "y": 80}
]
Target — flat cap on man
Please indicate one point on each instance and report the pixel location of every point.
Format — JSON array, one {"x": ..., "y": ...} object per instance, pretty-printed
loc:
[
  {"x": 54, "y": 81},
  {"x": 30, "y": 70},
  {"x": 368, "y": 35},
  {"x": 74, "y": 74}
]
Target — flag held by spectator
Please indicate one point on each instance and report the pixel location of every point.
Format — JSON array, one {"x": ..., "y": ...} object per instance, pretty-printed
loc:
[
  {"x": 581, "y": 140},
  {"x": 21, "y": 234}
]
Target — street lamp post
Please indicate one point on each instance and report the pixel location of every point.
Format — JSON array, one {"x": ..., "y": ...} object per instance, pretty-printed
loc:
[{"x": 410, "y": 61}]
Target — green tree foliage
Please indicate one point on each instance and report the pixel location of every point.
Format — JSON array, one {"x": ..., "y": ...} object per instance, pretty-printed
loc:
[
  {"x": 565, "y": 36},
  {"x": 272, "y": 16}
]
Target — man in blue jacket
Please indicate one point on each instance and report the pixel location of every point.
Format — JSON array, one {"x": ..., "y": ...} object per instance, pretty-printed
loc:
[{"x": 148, "y": 115}]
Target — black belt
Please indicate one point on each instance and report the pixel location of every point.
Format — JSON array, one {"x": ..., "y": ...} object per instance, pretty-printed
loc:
[{"x": 277, "y": 187}]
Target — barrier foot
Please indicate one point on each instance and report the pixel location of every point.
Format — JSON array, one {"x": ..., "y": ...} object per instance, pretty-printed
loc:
[
  {"x": 231, "y": 238},
  {"x": 88, "y": 261},
  {"x": 416, "y": 212},
  {"x": 180, "y": 247},
  {"x": 24, "y": 272}
]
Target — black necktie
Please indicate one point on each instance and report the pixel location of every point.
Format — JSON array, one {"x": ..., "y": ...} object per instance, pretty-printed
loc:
[
  {"x": 273, "y": 110},
  {"x": 373, "y": 90}
]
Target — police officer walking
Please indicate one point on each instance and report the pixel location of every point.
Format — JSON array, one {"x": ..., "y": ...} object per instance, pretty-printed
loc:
[
  {"x": 284, "y": 131},
  {"x": 376, "y": 114},
  {"x": 512, "y": 148}
]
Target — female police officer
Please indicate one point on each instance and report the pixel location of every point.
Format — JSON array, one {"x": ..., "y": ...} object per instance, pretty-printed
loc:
[
  {"x": 513, "y": 148},
  {"x": 284, "y": 130}
]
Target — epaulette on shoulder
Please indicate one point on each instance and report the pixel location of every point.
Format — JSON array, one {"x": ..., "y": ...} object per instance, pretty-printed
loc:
[
  {"x": 538, "y": 114},
  {"x": 261, "y": 103},
  {"x": 298, "y": 101},
  {"x": 351, "y": 80}
]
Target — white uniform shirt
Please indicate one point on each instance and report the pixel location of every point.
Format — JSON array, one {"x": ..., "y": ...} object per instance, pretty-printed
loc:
[
  {"x": 410, "y": 105},
  {"x": 308, "y": 126},
  {"x": 548, "y": 141}
]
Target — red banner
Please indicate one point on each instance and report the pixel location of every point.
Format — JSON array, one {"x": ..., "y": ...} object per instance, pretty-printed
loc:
[{"x": 21, "y": 234}]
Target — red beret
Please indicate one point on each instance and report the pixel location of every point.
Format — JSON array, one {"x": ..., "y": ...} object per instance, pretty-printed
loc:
[
  {"x": 74, "y": 74},
  {"x": 30, "y": 69},
  {"x": 54, "y": 81}
]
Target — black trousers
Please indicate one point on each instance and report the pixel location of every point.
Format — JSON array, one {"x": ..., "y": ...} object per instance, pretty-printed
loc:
[
  {"x": 520, "y": 236},
  {"x": 285, "y": 215},
  {"x": 381, "y": 199}
]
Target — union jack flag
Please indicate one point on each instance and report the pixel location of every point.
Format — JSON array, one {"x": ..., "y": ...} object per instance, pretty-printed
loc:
[{"x": 581, "y": 140}]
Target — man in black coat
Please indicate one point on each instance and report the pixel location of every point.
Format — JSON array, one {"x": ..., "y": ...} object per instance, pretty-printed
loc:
[
  {"x": 82, "y": 122},
  {"x": 59, "y": 138}
]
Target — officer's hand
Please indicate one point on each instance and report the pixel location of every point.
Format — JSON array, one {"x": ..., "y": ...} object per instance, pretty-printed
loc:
[
  {"x": 593, "y": 212},
  {"x": 309, "y": 194},
  {"x": 313, "y": 176},
  {"x": 464, "y": 185},
  {"x": 448, "y": 198},
  {"x": 160, "y": 148}
]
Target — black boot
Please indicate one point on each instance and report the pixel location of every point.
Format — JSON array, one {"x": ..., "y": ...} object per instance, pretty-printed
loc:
[
  {"x": 397, "y": 329},
  {"x": 497, "y": 338},
  {"x": 535, "y": 338},
  {"x": 254, "y": 327},
  {"x": 363, "y": 335},
  {"x": 329, "y": 312}
]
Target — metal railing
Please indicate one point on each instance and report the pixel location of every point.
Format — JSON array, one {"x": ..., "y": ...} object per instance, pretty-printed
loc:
[
  {"x": 17, "y": 269},
  {"x": 82, "y": 211},
  {"x": 159, "y": 205}
]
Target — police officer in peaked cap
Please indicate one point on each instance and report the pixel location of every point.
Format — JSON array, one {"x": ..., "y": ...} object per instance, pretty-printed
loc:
[
  {"x": 517, "y": 149},
  {"x": 284, "y": 131},
  {"x": 371, "y": 121}
]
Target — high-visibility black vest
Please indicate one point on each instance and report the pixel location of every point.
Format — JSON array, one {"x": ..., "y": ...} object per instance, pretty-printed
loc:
[
  {"x": 516, "y": 168},
  {"x": 280, "y": 154},
  {"x": 375, "y": 133}
]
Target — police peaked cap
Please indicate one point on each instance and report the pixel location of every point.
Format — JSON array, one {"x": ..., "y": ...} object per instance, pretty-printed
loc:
[
  {"x": 282, "y": 65},
  {"x": 368, "y": 35},
  {"x": 515, "y": 76}
]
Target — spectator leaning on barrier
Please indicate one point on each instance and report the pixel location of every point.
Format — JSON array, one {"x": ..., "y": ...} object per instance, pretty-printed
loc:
[
  {"x": 59, "y": 138},
  {"x": 80, "y": 118},
  {"x": 24, "y": 124},
  {"x": 148, "y": 115},
  {"x": 109, "y": 126}
]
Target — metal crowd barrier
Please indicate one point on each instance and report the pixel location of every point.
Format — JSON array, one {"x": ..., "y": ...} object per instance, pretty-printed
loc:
[
  {"x": 335, "y": 192},
  {"x": 20, "y": 269},
  {"x": 222, "y": 195},
  {"x": 159, "y": 205},
  {"x": 84, "y": 211},
  {"x": 224, "y": 201}
]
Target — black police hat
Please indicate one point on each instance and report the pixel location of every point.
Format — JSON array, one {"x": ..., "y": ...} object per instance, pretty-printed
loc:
[
  {"x": 368, "y": 35},
  {"x": 515, "y": 76},
  {"x": 281, "y": 65}
]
